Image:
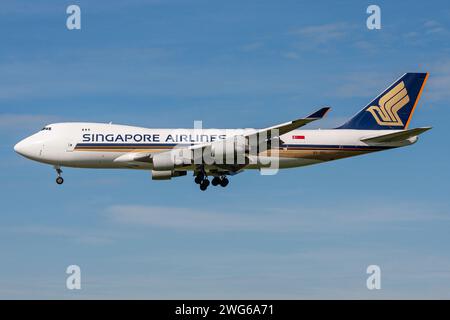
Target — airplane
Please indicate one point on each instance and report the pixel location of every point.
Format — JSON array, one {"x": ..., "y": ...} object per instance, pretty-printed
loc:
[{"x": 220, "y": 153}]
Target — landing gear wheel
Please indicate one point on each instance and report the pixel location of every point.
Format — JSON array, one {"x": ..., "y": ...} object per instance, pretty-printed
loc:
[
  {"x": 204, "y": 185},
  {"x": 198, "y": 179},
  {"x": 224, "y": 182},
  {"x": 215, "y": 181},
  {"x": 59, "y": 180}
]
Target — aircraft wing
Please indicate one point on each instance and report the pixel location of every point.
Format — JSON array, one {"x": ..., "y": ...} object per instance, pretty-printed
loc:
[
  {"x": 266, "y": 132},
  {"x": 294, "y": 124},
  {"x": 282, "y": 127}
]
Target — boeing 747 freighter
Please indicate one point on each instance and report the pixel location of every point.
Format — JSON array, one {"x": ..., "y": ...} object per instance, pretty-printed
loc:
[{"x": 220, "y": 153}]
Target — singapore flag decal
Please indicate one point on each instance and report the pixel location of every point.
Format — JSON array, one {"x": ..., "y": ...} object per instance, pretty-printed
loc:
[{"x": 298, "y": 137}]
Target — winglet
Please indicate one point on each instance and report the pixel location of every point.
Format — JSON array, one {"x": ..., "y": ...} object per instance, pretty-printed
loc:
[{"x": 319, "y": 113}]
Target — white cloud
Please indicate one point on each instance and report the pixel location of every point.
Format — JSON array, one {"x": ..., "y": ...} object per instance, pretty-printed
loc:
[
  {"x": 47, "y": 8},
  {"x": 370, "y": 84},
  {"x": 439, "y": 87},
  {"x": 323, "y": 39},
  {"x": 433, "y": 27},
  {"x": 439, "y": 81},
  {"x": 319, "y": 34},
  {"x": 79, "y": 236},
  {"x": 249, "y": 47},
  {"x": 291, "y": 55},
  {"x": 362, "y": 84},
  {"x": 140, "y": 74},
  {"x": 271, "y": 219},
  {"x": 186, "y": 218},
  {"x": 429, "y": 31}
]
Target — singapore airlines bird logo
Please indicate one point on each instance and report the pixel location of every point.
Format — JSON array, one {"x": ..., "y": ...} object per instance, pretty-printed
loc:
[{"x": 386, "y": 114}]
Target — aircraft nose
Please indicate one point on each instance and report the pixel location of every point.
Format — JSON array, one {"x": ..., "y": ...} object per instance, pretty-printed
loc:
[
  {"x": 20, "y": 147},
  {"x": 27, "y": 148}
]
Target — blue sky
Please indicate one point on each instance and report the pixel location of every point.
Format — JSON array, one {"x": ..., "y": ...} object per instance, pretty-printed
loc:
[{"x": 304, "y": 233}]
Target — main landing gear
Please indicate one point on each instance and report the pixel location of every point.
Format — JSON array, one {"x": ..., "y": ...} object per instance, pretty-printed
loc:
[
  {"x": 223, "y": 181},
  {"x": 59, "y": 179},
  {"x": 202, "y": 180}
]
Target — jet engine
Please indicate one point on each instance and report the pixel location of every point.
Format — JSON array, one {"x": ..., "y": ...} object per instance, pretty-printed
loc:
[
  {"x": 166, "y": 174},
  {"x": 167, "y": 161}
]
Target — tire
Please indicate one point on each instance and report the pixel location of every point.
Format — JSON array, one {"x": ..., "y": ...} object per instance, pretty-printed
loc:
[
  {"x": 224, "y": 182},
  {"x": 198, "y": 179},
  {"x": 59, "y": 180},
  {"x": 203, "y": 187},
  {"x": 215, "y": 181}
]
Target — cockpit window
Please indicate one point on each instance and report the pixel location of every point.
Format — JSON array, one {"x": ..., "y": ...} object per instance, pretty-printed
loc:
[{"x": 46, "y": 128}]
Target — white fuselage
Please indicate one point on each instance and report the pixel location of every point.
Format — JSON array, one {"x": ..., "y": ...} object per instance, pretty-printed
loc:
[{"x": 96, "y": 145}]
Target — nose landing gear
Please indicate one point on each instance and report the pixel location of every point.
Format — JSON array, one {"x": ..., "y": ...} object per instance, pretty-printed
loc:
[{"x": 59, "y": 179}]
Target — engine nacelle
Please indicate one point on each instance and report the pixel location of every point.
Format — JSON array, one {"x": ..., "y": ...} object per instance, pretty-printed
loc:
[
  {"x": 166, "y": 174},
  {"x": 167, "y": 161},
  {"x": 163, "y": 162}
]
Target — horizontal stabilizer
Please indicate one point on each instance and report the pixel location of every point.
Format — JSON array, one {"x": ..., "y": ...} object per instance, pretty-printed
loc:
[{"x": 397, "y": 136}]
